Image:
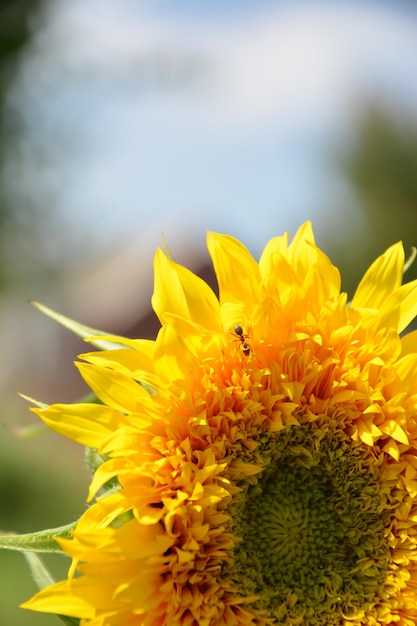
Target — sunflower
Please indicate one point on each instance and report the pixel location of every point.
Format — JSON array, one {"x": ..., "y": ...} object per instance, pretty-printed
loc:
[{"x": 258, "y": 460}]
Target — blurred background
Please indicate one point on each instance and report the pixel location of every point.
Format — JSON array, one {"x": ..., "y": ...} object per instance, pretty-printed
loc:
[{"x": 125, "y": 122}]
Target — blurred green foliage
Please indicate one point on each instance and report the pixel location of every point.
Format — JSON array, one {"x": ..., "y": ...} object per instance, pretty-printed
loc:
[
  {"x": 41, "y": 486},
  {"x": 383, "y": 169},
  {"x": 30, "y": 499},
  {"x": 380, "y": 163}
]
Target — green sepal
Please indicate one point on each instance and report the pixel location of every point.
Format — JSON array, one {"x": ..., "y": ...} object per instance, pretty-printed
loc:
[
  {"x": 42, "y": 541},
  {"x": 148, "y": 388},
  {"x": 89, "y": 398},
  {"x": 38, "y": 403},
  {"x": 165, "y": 248},
  {"x": 410, "y": 259},
  {"x": 85, "y": 332},
  {"x": 93, "y": 459},
  {"x": 42, "y": 578},
  {"x": 69, "y": 621}
]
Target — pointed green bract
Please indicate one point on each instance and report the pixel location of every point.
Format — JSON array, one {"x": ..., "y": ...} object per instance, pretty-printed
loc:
[
  {"x": 85, "y": 332},
  {"x": 410, "y": 260}
]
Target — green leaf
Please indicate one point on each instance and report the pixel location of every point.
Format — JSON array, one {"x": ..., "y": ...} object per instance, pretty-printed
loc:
[
  {"x": 42, "y": 579},
  {"x": 42, "y": 541},
  {"x": 81, "y": 330}
]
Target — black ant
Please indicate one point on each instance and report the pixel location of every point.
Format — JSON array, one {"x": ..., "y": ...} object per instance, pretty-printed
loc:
[{"x": 238, "y": 332}]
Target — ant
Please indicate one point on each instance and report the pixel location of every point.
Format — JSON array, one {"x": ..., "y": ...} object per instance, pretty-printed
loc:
[{"x": 238, "y": 332}]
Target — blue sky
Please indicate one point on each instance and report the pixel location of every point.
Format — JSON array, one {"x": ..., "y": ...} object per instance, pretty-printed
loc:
[{"x": 211, "y": 115}]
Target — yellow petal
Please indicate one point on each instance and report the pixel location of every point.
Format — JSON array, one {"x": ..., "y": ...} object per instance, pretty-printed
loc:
[
  {"x": 368, "y": 432},
  {"x": 179, "y": 291},
  {"x": 60, "y": 599},
  {"x": 394, "y": 430},
  {"x": 237, "y": 272},
  {"x": 409, "y": 343},
  {"x": 406, "y": 369},
  {"x": 380, "y": 280},
  {"x": 312, "y": 266},
  {"x": 302, "y": 249},
  {"x": 87, "y": 424},
  {"x": 400, "y": 307},
  {"x": 276, "y": 270},
  {"x": 112, "y": 388},
  {"x": 277, "y": 246},
  {"x": 173, "y": 358},
  {"x": 128, "y": 362}
]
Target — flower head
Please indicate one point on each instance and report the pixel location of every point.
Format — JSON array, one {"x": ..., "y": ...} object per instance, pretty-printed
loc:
[{"x": 259, "y": 458}]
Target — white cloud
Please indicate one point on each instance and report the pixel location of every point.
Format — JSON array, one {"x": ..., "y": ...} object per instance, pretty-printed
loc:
[
  {"x": 309, "y": 59},
  {"x": 303, "y": 61}
]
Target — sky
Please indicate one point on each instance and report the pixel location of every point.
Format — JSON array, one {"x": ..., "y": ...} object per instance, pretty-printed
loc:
[{"x": 208, "y": 115}]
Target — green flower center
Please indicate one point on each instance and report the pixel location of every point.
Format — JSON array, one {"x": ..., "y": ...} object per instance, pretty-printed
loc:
[{"x": 313, "y": 529}]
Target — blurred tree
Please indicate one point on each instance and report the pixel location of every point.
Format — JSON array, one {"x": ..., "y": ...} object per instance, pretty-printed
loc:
[
  {"x": 16, "y": 26},
  {"x": 25, "y": 493},
  {"x": 383, "y": 169},
  {"x": 381, "y": 166}
]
